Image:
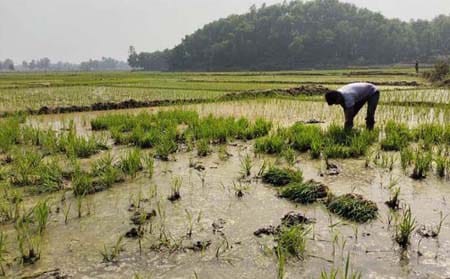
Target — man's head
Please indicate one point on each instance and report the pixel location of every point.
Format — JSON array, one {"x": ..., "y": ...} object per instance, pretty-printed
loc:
[{"x": 333, "y": 97}]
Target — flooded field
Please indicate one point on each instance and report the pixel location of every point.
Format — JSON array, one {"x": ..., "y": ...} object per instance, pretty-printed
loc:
[{"x": 209, "y": 232}]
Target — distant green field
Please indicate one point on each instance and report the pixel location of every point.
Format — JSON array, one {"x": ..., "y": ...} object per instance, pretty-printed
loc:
[{"x": 20, "y": 91}]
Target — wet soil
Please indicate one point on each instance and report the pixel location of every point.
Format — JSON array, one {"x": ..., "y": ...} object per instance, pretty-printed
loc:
[{"x": 227, "y": 224}]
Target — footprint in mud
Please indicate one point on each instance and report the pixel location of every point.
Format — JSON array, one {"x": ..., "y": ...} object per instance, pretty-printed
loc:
[
  {"x": 199, "y": 245},
  {"x": 218, "y": 226}
]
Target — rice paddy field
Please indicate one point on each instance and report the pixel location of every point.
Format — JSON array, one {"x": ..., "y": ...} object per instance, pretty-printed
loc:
[{"x": 260, "y": 186}]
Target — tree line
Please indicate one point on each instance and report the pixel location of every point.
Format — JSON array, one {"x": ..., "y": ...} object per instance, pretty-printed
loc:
[
  {"x": 298, "y": 34},
  {"x": 45, "y": 64}
]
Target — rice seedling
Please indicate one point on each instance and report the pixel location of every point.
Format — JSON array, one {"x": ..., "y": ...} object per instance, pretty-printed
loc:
[
  {"x": 111, "y": 254},
  {"x": 292, "y": 240},
  {"x": 346, "y": 273},
  {"x": 29, "y": 243},
  {"x": 51, "y": 177},
  {"x": 9, "y": 133},
  {"x": 304, "y": 193},
  {"x": 190, "y": 220},
  {"x": 404, "y": 228},
  {"x": 3, "y": 252},
  {"x": 105, "y": 173},
  {"x": 282, "y": 177},
  {"x": 79, "y": 146},
  {"x": 82, "y": 183},
  {"x": 66, "y": 211},
  {"x": 239, "y": 189},
  {"x": 397, "y": 136},
  {"x": 353, "y": 207},
  {"x": 131, "y": 163},
  {"x": 273, "y": 144},
  {"x": 422, "y": 164},
  {"x": 203, "y": 148},
  {"x": 165, "y": 147},
  {"x": 246, "y": 165},
  {"x": 10, "y": 204},
  {"x": 394, "y": 202},
  {"x": 41, "y": 214},
  {"x": 442, "y": 163},
  {"x": 223, "y": 153},
  {"x": 289, "y": 155},
  {"x": 302, "y": 137},
  {"x": 281, "y": 262},
  {"x": 25, "y": 167},
  {"x": 149, "y": 163},
  {"x": 175, "y": 195},
  {"x": 406, "y": 158}
]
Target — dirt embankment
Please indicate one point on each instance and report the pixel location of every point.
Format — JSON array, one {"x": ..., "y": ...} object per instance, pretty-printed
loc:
[{"x": 307, "y": 90}]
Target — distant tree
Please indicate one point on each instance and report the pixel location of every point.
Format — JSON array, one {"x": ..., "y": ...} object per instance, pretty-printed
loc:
[
  {"x": 133, "y": 59},
  {"x": 8, "y": 64},
  {"x": 25, "y": 64}
]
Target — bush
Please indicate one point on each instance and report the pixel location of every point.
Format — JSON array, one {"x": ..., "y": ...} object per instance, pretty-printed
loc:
[{"x": 439, "y": 73}]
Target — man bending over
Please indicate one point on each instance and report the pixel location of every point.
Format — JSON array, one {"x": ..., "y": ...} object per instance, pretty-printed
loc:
[{"x": 352, "y": 98}]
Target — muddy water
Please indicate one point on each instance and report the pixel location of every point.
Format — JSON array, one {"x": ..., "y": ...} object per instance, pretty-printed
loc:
[{"x": 74, "y": 248}]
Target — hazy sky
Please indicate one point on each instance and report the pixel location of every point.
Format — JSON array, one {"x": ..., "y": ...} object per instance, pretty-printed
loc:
[{"x": 76, "y": 30}]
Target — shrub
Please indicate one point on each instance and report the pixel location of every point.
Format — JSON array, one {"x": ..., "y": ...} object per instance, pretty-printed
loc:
[
  {"x": 440, "y": 72},
  {"x": 282, "y": 177},
  {"x": 353, "y": 207},
  {"x": 304, "y": 193}
]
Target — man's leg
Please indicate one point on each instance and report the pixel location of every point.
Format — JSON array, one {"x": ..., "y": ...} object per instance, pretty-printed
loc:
[
  {"x": 371, "y": 109},
  {"x": 351, "y": 113}
]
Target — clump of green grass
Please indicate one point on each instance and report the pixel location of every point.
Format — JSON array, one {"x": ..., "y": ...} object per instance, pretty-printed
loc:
[
  {"x": 11, "y": 201},
  {"x": 302, "y": 137},
  {"x": 25, "y": 169},
  {"x": 131, "y": 163},
  {"x": 203, "y": 148},
  {"x": 397, "y": 136},
  {"x": 3, "y": 252},
  {"x": 304, "y": 193},
  {"x": 422, "y": 164},
  {"x": 346, "y": 273},
  {"x": 281, "y": 177},
  {"x": 9, "y": 133},
  {"x": 246, "y": 166},
  {"x": 166, "y": 146},
  {"x": 175, "y": 189},
  {"x": 111, "y": 254},
  {"x": 41, "y": 214},
  {"x": 406, "y": 158},
  {"x": 82, "y": 183},
  {"x": 341, "y": 143},
  {"x": 105, "y": 172},
  {"x": 442, "y": 163},
  {"x": 78, "y": 146},
  {"x": 273, "y": 144},
  {"x": 353, "y": 207},
  {"x": 404, "y": 228},
  {"x": 292, "y": 240},
  {"x": 430, "y": 134}
]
